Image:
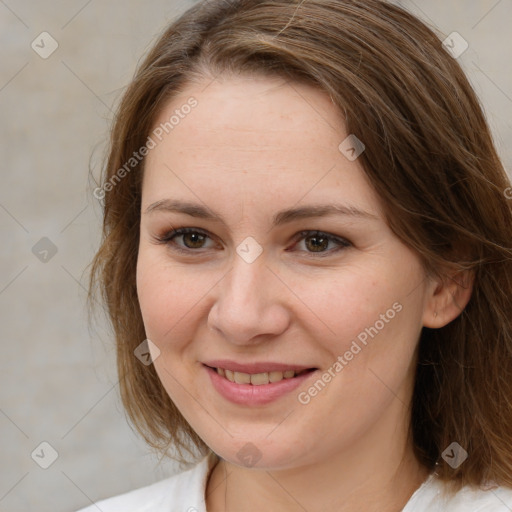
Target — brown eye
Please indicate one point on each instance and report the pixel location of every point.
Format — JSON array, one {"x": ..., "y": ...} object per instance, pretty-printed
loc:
[
  {"x": 193, "y": 240},
  {"x": 315, "y": 242},
  {"x": 318, "y": 242}
]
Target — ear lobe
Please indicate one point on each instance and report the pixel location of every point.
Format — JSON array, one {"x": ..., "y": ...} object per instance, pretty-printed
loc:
[{"x": 448, "y": 298}]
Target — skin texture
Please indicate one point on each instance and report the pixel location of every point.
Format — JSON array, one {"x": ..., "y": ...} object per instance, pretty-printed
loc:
[{"x": 251, "y": 147}]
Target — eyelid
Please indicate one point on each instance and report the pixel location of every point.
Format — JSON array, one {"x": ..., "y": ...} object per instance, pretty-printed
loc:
[
  {"x": 316, "y": 232},
  {"x": 167, "y": 238}
]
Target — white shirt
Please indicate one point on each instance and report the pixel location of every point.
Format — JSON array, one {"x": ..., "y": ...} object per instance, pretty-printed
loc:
[{"x": 185, "y": 492}]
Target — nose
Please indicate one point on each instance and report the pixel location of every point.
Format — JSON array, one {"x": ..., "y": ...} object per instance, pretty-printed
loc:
[{"x": 251, "y": 304}]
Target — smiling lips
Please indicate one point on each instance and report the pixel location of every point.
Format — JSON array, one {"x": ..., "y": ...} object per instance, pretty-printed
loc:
[
  {"x": 255, "y": 383},
  {"x": 257, "y": 379},
  {"x": 256, "y": 373}
]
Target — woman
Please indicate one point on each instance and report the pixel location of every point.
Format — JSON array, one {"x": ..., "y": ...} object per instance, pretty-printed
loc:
[{"x": 307, "y": 265}]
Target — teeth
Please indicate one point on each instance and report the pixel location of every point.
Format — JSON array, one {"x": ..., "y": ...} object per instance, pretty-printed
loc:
[
  {"x": 275, "y": 376},
  {"x": 259, "y": 378},
  {"x": 242, "y": 378},
  {"x": 256, "y": 379}
]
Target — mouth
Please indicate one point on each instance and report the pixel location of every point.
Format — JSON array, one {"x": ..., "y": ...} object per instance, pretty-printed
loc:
[
  {"x": 260, "y": 378},
  {"x": 256, "y": 384}
]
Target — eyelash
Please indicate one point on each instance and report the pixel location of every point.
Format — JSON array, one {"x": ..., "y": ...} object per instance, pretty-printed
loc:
[{"x": 167, "y": 239}]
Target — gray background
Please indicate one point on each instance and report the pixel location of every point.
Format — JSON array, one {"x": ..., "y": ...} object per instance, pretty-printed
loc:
[{"x": 58, "y": 377}]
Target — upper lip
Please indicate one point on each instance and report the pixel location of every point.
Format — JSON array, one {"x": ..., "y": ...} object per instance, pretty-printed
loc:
[{"x": 257, "y": 367}]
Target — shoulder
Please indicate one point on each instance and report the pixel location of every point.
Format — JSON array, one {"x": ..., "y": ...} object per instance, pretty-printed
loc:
[
  {"x": 183, "y": 492},
  {"x": 432, "y": 496}
]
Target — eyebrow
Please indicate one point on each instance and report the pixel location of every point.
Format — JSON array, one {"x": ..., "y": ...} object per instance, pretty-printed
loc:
[{"x": 280, "y": 218}]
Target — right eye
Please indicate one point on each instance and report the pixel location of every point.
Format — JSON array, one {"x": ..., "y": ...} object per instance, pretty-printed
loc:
[{"x": 192, "y": 238}]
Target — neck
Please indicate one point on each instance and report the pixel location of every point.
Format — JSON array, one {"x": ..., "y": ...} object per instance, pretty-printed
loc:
[{"x": 233, "y": 490}]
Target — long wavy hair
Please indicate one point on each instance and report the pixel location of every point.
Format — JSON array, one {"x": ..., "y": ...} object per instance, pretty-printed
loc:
[{"x": 430, "y": 157}]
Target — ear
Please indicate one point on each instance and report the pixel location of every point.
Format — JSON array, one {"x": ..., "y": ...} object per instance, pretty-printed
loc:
[{"x": 447, "y": 298}]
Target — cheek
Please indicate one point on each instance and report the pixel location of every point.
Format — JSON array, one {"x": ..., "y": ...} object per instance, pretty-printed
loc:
[
  {"x": 158, "y": 300},
  {"x": 342, "y": 304},
  {"x": 168, "y": 301},
  {"x": 371, "y": 316},
  {"x": 378, "y": 330},
  {"x": 169, "y": 297}
]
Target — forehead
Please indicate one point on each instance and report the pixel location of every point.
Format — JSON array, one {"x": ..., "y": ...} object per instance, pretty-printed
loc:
[
  {"x": 259, "y": 136},
  {"x": 248, "y": 110}
]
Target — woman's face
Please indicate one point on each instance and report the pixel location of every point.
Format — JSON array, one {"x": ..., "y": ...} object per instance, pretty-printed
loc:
[{"x": 253, "y": 288}]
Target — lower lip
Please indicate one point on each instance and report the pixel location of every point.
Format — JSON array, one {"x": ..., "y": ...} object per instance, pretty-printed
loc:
[{"x": 248, "y": 394}]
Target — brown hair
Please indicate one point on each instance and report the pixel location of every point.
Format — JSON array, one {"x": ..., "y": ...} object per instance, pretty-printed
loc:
[{"x": 429, "y": 155}]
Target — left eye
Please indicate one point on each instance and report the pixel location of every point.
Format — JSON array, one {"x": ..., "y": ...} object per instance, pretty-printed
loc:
[{"x": 316, "y": 241}]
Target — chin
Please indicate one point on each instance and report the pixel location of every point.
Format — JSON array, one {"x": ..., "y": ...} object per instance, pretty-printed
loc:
[{"x": 281, "y": 452}]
